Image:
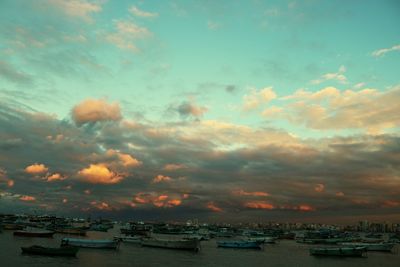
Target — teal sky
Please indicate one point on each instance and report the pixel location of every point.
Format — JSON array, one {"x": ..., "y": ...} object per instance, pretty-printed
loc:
[{"x": 314, "y": 71}]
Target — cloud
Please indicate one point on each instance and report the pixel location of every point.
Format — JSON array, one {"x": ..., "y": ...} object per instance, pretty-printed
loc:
[
  {"x": 157, "y": 200},
  {"x": 100, "y": 174},
  {"x": 77, "y": 8},
  {"x": 186, "y": 109},
  {"x": 36, "y": 169},
  {"x": 127, "y": 34},
  {"x": 330, "y": 108},
  {"x": 336, "y": 76},
  {"x": 10, "y": 73},
  {"x": 259, "y": 205},
  {"x": 241, "y": 192},
  {"x": 319, "y": 188},
  {"x": 161, "y": 178},
  {"x": 211, "y": 206},
  {"x": 140, "y": 13},
  {"x": 125, "y": 160},
  {"x": 383, "y": 51},
  {"x": 101, "y": 205},
  {"x": 27, "y": 198},
  {"x": 95, "y": 110},
  {"x": 173, "y": 167},
  {"x": 55, "y": 177},
  {"x": 258, "y": 97},
  {"x": 212, "y": 25}
]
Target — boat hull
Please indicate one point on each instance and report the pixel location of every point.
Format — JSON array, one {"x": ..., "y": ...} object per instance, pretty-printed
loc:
[
  {"x": 62, "y": 252},
  {"x": 189, "y": 244},
  {"x": 89, "y": 243},
  {"x": 384, "y": 247},
  {"x": 338, "y": 252},
  {"x": 239, "y": 244},
  {"x": 33, "y": 234}
]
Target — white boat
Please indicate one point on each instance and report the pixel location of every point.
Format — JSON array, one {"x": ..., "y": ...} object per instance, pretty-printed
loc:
[
  {"x": 371, "y": 246},
  {"x": 187, "y": 244},
  {"x": 90, "y": 243}
]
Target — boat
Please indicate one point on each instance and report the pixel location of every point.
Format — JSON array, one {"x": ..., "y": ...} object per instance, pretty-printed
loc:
[
  {"x": 385, "y": 247},
  {"x": 71, "y": 231},
  {"x": 266, "y": 240},
  {"x": 34, "y": 233},
  {"x": 10, "y": 226},
  {"x": 90, "y": 243},
  {"x": 239, "y": 244},
  {"x": 187, "y": 244},
  {"x": 129, "y": 239},
  {"x": 338, "y": 251},
  {"x": 67, "y": 251}
]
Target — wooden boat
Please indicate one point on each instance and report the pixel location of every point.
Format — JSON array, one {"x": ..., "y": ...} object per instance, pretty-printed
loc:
[
  {"x": 90, "y": 243},
  {"x": 338, "y": 251},
  {"x": 186, "y": 244},
  {"x": 239, "y": 244},
  {"x": 34, "y": 233},
  {"x": 385, "y": 247},
  {"x": 62, "y": 251}
]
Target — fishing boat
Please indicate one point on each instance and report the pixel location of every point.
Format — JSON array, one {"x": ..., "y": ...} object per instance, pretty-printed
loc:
[
  {"x": 338, "y": 251},
  {"x": 129, "y": 239},
  {"x": 385, "y": 247},
  {"x": 90, "y": 243},
  {"x": 186, "y": 244},
  {"x": 34, "y": 233},
  {"x": 67, "y": 251},
  {"x": 239, "y": 244}
]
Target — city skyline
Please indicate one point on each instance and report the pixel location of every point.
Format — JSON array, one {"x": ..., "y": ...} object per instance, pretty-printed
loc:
[{"x": 221, "y": 111}]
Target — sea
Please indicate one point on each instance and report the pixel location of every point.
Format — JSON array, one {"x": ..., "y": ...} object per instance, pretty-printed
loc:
[{"x": 284, "y": 253}]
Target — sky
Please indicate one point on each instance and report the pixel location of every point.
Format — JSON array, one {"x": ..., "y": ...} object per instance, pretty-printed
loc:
[{"x": 215, "y": 110}]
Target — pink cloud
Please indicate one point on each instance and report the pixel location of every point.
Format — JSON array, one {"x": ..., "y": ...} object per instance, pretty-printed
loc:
[{"x": 211, "y": 206}]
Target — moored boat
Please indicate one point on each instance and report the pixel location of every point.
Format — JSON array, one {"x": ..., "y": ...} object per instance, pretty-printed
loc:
[
  {"x": 338, "y": 251},
  {"x": 385, "y": 247},
  {"x": 90, "y": 243},
  {"x": 34, "y": 233},
  {"x": 239, "y": 244},
  {"x": 186, "y": 244},
  {"x": 61, "y": 251}
]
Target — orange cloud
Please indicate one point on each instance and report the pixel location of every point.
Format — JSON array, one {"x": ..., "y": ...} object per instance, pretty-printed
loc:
[
  {"x": 36, "y": 169},
  {"x": 55, "y": 177},
  {"x": 339, "y": 194},
  {"x": 319, "y": 188},
  {"x": 173, "y": 167},
  {"x": 259, "y": 205},
  {"x": 161, "y": 178},
  {"x": 94, "y": 110},
  {"x": 27, "y": 198},
  {"x": 305, "y": 208},
  {"x": 241, "y": 192},
  {"x": 126, "y": 160},
  {"x": 211, "y": 206},
  {"x": 157, "y": 200},
  {"x": 100, "y": 174}
]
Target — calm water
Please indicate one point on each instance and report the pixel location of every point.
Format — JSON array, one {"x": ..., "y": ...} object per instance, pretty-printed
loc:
[{"x": 285, "y": 253}]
